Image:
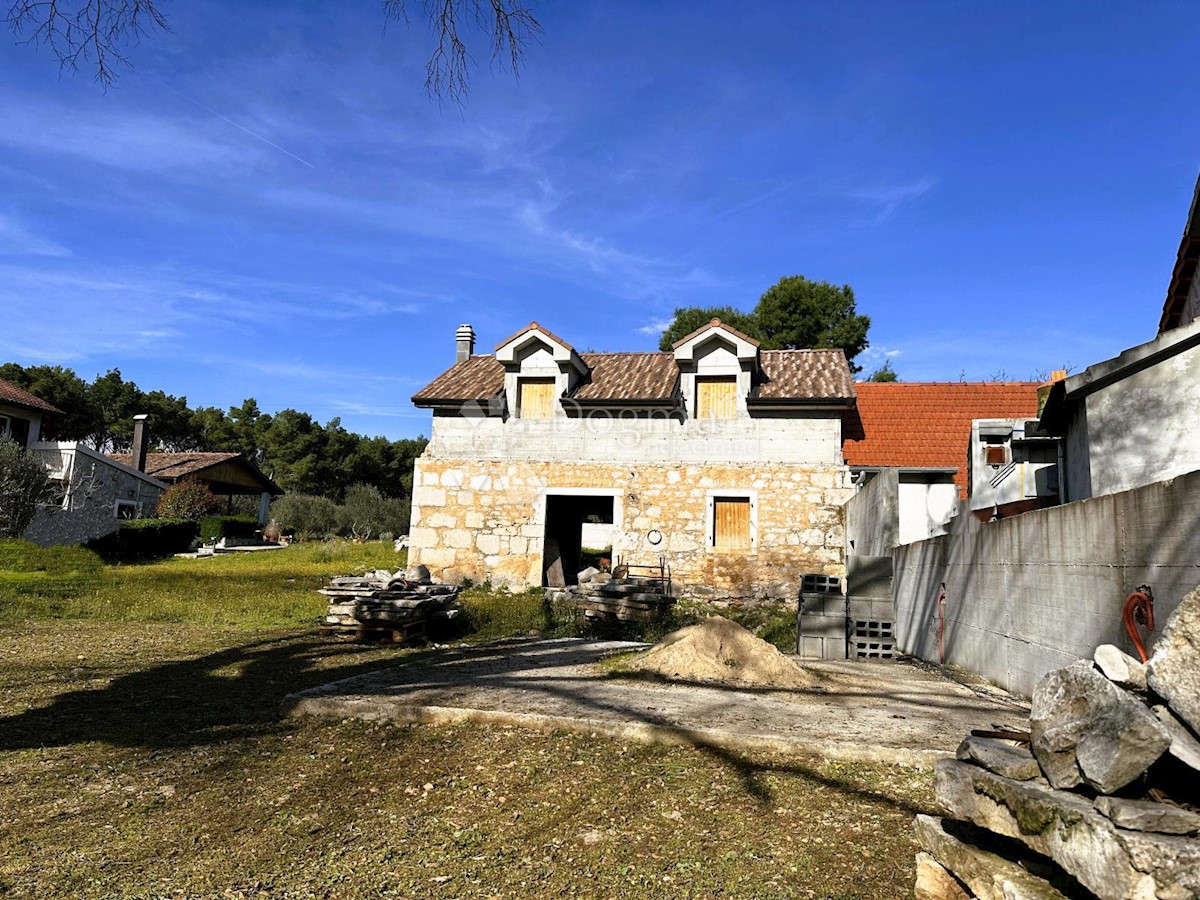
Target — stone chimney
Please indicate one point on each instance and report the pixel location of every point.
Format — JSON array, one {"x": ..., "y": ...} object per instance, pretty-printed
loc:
[
  {"x": 141, "y": 440},
  {"x": 464, "y": 342}
]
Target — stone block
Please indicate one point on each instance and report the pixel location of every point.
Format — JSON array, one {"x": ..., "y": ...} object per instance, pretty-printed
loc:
[
  {"x": 1113, "y": 863},
  {"x": 473, "y": 519},
  {"x": 1119, "y": 667},
  {"x": 1184, "y": 745},
  {"x": 935, "y": 883},
  {"x": 1086, "y": 729},
  {"x": 1174, "y": 668},
  {"x": 487, "y": 543},
  {"x": 458, "y": 538},
  {"x": 987, "y": 875},
  {"x": 1146, "y": 815},
  {"x": 999, "y": 757}
]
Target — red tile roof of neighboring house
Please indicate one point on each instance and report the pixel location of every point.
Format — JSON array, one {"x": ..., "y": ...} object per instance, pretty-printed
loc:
[
  {"x": 653, "y": 377},
  {"x": 928, "y": 425},
  {"x": 1185, "y": 268},
  {"x": 15, "y": 396}
]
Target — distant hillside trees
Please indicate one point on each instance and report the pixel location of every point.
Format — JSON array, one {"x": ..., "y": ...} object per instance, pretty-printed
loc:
[{"x": 298, "y": 452}]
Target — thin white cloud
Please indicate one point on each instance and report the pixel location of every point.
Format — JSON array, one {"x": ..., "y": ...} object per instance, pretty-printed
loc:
[
  {"x": 122, "y": 138},
  {"x": 654, "y": 328},
  {"x": 16, "y": 240},
  {"x": 889, "y": 198},
  {"x": 71, "y": 313}
]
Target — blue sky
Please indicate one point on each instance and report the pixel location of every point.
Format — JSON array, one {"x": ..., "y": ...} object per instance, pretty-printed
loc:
[{"x": 268, "y": 205}]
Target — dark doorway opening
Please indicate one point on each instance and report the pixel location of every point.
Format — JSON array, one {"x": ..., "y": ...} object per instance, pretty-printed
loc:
[{"x": 565, "y": 515}]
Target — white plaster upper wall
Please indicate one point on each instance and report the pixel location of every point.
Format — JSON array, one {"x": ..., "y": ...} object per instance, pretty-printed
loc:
[
  {"x": 19, "y": 412},
  {"x": 813, "y": 439},
  {"x": 1142, "y": 429},
  {"x": 925, "y": 509}
]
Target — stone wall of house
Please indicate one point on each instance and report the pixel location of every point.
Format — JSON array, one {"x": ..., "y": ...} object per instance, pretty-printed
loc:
[
  {"x": 93, "y": 489},
  {"x": 486, "y": 520}
]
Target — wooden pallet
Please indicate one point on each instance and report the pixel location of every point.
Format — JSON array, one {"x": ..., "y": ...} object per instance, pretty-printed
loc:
[{"x": 396, "y": 633}]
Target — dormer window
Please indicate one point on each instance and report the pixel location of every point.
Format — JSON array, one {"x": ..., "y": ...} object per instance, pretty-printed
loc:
[
  {"x": 536, "y": 398},
  {"x": 716, "y": 397}
]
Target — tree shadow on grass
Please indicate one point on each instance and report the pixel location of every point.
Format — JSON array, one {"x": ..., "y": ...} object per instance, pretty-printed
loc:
[
  {"x": 227, "y": 694},
  {"x": 239, "y": 692}
]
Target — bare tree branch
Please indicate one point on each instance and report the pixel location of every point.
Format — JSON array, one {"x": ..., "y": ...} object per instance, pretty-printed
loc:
[
  {"x": 98, "y": 32},
  {"x": 511, "y": 25},
  {"x": 95, "y": 32}
]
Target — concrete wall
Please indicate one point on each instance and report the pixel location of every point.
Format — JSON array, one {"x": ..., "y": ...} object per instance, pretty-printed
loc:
[
  {"x": 1034, "y": 592},
  {"x": 1143, "y": 428},
  {"x": 91, "y": 486},
  {"x": 873, "y": 516},
  {"x": 1132, "y": 419},
  {"x": 807, "y": 438},
  {"x": 486, "y": 519}
]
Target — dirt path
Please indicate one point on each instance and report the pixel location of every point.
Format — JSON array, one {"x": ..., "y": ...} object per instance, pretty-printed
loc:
[{"x": 890, "y": 712}]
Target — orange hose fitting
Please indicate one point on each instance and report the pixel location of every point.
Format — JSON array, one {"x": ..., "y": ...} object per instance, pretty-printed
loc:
[{"x": 1139, "y": 607}]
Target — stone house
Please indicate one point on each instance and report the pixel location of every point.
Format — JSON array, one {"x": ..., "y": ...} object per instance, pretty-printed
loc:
[
  {"x": 92, "y": 494},
  {"x": 718, "y": 459}
]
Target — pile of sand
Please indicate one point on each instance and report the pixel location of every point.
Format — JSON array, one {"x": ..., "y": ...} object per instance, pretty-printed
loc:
[{"x": 718, "y": 650}]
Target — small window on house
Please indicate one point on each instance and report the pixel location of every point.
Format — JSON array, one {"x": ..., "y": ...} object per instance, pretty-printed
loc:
[
  {"x": 995, "y": 451},
  {"x": 716, "y": 397},
  {"x": 731, "y": 523},
  {"x": 126, "y": 509},
  {"x": 537, "y": 398}
]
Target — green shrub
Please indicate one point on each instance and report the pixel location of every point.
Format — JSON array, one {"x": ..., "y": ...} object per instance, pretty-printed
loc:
[
  {"x": 213, "y": 528},
  {"x": 189, "y": 499},
  {"x": 142, "y": 539},
  {"x": 308, "y": 515},
  {"x": 23, "y": 482}
]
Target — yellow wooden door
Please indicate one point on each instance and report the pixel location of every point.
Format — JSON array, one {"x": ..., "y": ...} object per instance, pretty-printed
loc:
[
  {"x": 731, "y": 523},
  {"x": 716, "y": 398},
  {"x": 537, "y": 398}
]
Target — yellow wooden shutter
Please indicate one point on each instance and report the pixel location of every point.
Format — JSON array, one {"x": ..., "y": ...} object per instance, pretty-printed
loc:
[
  {"x": 731, "y": 523},
  {"x": 716, "y": 398},
  {"x": 537, "y": 398}
]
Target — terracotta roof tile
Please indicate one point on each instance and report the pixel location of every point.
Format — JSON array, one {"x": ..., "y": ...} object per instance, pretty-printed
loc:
[
  {"x": 15, "y": 396},
  {"x": 628, "y": 376},
  {"x": 928, "y": 425},
  {"x": 804, "y": 375},
  {"x": 647, "y": 377},
  {"x": 171, "y": 467},
  {"x": 476, "y": 378},
  {"x": 175, "y": 465}
]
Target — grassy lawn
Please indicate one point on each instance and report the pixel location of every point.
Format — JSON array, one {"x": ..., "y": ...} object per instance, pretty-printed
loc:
[{"x": 142, "y": 754}]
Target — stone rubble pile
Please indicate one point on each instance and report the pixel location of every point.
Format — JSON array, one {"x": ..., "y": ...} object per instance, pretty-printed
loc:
[
  {"x": 624, "y": 597},
  {"x": 383, "y": 604},
  {"x": 1103, "y": 800}
]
